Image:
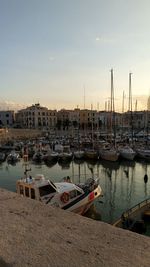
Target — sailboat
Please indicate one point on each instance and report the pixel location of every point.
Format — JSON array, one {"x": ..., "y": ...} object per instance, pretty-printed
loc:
[
  {"x": 127, "y": 152},
  {"x": 79, "y": 153},
  {"x": 110, "y": 153},
  {"x": 91, "y": 153},
  {"x": 144, "y": 153}
]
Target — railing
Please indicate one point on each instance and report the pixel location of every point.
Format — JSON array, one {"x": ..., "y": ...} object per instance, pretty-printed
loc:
[{"x": 132, "y": 210}]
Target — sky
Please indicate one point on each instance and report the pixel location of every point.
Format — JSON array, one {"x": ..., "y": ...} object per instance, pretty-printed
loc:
[{"x": 60, "y": 52}]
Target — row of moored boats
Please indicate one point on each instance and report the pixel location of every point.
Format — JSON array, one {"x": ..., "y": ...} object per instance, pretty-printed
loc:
[{"x": 64, "y": 153}]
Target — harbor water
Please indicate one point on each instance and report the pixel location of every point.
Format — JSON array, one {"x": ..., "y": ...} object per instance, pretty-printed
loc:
[{"x": 122, "y": 182}]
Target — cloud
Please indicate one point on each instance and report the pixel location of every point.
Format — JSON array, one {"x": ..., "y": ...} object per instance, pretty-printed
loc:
[
  {"x": 101, "y": 39},
  {"x": 51, "y": 58},
  {"x": 10, "y": 105}
]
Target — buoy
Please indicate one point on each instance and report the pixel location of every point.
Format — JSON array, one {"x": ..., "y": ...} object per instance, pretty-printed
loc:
[
  {"x": 65, "y": 197},
  {"x": 145, "y": 178}
]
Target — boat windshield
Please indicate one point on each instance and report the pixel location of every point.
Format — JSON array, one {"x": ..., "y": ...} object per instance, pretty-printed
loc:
[{"x": 46, "y": 190}]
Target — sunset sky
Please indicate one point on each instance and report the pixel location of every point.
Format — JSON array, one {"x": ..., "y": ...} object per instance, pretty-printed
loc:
[{"x": 57, "y": 51}]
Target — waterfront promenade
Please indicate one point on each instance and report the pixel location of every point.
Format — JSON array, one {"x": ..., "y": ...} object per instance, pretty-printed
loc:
[{"x": 33, "y": 234}]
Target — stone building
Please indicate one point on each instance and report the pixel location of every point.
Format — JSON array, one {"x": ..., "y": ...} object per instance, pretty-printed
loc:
[
  {"x": 36, "y": 117},
  {"x": 7, "y": 118}
]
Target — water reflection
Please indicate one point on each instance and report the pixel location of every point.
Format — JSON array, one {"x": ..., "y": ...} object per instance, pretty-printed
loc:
[{"x": 124, "y": 183}]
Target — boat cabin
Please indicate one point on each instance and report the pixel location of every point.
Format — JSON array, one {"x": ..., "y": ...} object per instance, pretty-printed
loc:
[{"x": 36, "y": 188}]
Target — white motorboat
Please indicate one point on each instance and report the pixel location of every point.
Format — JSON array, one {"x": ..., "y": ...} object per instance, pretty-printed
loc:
[
  {"x": 50, "y": 156},
  {"x": 66, "y": 154},
  {"x": 79, "y": 154},
  {"x": 143, "y": 154},
  {"x": 13, "y": 157},
  {"x": 127, "y": 153},
  {"x": 66, "y": 195}
]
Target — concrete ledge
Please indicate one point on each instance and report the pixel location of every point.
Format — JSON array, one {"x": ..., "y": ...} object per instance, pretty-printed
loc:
[{"x": 34, "y": 234}]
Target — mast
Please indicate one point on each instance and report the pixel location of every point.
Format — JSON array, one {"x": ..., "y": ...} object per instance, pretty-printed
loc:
[
  {"x": 112, "y": 92},
  {"x": 130, "y": 93},
  {"x": 123, "y": 97},
  {"x": 112, "y": 108},
  {"x": 123, "y": 102},
  {"x": 130, "y": 105},
  {"x": 92, "y": 125}
]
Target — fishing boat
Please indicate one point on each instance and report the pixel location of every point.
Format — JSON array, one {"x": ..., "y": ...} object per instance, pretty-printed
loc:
[
  {"x": 136, "y": 219},
  {"x": 66, "y": 195}
]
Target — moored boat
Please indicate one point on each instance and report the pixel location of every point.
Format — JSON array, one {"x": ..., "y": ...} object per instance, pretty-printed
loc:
[
  {"x": 66, "y": 154},
  {"x": 79, "y": 154},
  {"x": 143, "y": 153},
  {"x": 127, "y": 153},
  {"x": 2, "y": 156},
  {"x": 91, "y": 154},
  {"x": 38, "y": 156},
  {"x": 109, "y": 154},
  {"x": 135, "y": 219},
  {"x": 50, "y": 156},
  {"x": 13, "y": 157},
  {"x": 72, "y": 197}
]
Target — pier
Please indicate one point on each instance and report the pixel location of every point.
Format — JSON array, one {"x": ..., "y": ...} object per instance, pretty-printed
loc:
[{"x": 34, "y": 234}]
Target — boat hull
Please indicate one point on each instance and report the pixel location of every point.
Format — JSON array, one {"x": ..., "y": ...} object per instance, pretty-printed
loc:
[
  {"x": 82, "y": 206},
  {"x": 109, "y": 155}
]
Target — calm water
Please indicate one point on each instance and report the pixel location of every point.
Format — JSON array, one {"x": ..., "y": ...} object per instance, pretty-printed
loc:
[{"x": 122, "y": 183}]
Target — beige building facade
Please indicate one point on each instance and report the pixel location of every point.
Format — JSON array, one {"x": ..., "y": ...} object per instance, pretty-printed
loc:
[{"x": 36, "y": 117}]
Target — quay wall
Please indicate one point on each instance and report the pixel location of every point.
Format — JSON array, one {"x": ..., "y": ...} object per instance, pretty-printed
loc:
[
  {"x": 37, "y": 235},
  {"x": 18, "y": 134}
]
